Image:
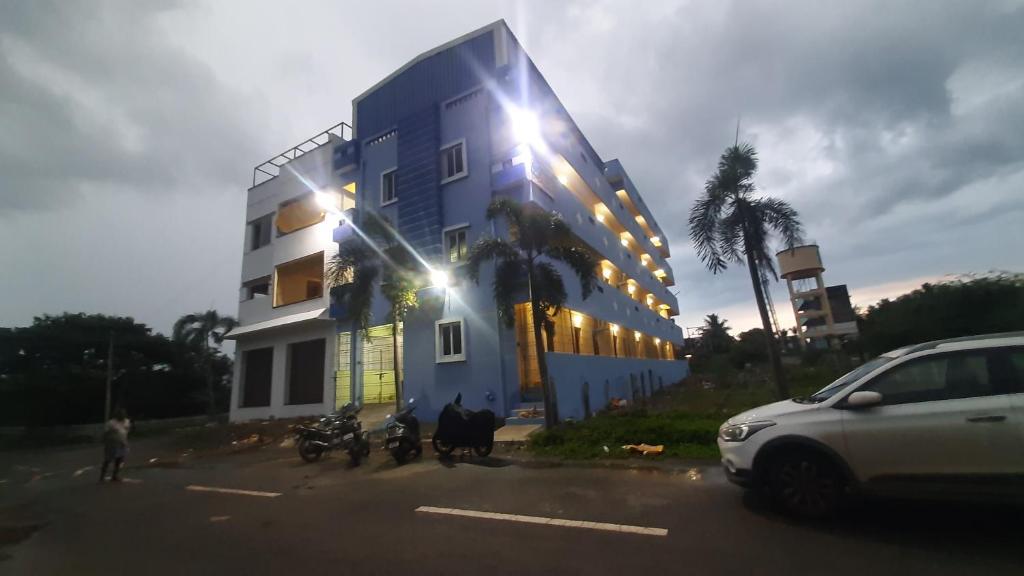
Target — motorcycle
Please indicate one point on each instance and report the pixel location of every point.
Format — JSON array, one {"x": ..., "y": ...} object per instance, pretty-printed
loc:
[
  {"x": 458, "y": 427},
  {"x": 402, "y": 435},
  {"x": 337, "y": 431}
]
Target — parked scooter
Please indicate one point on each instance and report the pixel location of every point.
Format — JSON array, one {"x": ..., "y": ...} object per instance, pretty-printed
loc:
[
  {"x": 458, "y": 427},
  {"x": 337, "y": 431},
  {"x": 402, "y": 435}
]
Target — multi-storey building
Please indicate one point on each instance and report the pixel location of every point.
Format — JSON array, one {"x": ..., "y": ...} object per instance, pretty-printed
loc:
[{"x": 429, "y": 148}]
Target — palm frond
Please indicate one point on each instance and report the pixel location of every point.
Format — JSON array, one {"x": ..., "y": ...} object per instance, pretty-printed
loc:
[
  {"x": 548, "y": 288},
  {"x": 487, "y": 249},
  {"x": 582, "y": 263},
  {"x": 509, "y": 282},
  {"x": 510, "y": 209},
  {"x": 782, "y": 218},
  {"x": 704, "y": 219}
]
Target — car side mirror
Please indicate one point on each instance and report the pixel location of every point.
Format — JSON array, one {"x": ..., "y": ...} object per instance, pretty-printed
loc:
[{"x": 864, "y": 399}]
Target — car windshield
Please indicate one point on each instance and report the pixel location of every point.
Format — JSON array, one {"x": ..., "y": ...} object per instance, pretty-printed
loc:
[{"x": 833, "y": 388}]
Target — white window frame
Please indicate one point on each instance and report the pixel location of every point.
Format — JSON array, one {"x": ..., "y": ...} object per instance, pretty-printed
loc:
[
  {"x": 465, "y": 160},
  {"x": 444, "y": 243},
  {"x": 383, "y": 202},
  {"x": 438, "y": 348}
]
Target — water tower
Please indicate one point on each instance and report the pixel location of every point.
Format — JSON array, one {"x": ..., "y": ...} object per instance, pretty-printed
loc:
[{"x": 815, "y": 306}]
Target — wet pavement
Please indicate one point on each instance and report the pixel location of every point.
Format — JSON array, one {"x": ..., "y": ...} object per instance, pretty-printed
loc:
[{"x": 263, "y": 511}]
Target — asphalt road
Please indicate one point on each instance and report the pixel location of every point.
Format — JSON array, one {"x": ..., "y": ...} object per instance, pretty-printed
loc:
[{"x": 333, "y": 519}]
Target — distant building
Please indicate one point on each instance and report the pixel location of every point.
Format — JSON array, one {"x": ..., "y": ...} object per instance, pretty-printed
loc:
[
  {"x": 823, "y": 314},
  {"x": 429, "y": 147}
]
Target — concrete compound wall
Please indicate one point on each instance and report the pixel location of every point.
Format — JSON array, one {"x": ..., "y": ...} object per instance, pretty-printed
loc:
[{"x": 607, "y": 377}]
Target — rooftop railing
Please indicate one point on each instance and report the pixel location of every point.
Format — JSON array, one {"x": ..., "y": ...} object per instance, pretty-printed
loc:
[{"x": 272, "y": 168}]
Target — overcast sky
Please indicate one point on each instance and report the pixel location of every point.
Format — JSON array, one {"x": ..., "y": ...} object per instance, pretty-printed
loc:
[{"x": 128, "y": 130}]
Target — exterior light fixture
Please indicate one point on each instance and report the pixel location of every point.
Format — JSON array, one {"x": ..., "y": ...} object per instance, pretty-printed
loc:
[
  {"x": 656, "y": 240},
  {"x": 624, "y": 241},
  {"x": 439, "y": 278},
  {"x": 657, "y": 341},
  {"x": 636, "y": 336},
  {"x": 607, "y": 273},
  {"x": 525, "y": 126},
  {"x": 614, "y": 328},
  {"x": 577, "y": 320},
  {"x": 632, "y": 288},
  {"x": 645, "y": 259},
  {"x": 563, "y": 180},
  {"x": 650, "y": 299},
  {"x": 327, "y": 201},
  {"x": 599, "y": 217},
  {"x": 660, "y": 273}
]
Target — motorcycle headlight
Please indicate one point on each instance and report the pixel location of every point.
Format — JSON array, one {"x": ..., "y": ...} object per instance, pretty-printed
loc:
[{"x": 740, "y": 432}]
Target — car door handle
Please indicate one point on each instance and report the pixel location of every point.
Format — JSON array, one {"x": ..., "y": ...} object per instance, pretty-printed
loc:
[{"x": 982, "y": 419}]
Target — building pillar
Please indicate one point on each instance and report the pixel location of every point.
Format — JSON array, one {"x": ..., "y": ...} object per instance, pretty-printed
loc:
[{"x": 796, "y": 316}]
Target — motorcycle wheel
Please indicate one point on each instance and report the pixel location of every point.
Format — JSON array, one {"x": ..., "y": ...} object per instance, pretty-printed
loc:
[
  {"x": 309, "y": 452},
  {"x": 400, "y": 453},
  {"x": 483, "y": 451},
  {"x": 441, "y": 448}
]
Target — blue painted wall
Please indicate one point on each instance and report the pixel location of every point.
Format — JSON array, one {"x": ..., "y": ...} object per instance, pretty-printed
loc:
[{"x": 607, "y": 378}]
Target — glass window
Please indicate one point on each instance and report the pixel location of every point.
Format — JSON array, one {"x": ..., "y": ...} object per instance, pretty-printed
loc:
[
  {"x": 458, "y": 249},
  {"x": 259, "y": 232},
  {"x": 941, "y": 377},
  {"x": 257, "y": 288},
  {"x": 453, "y": 161},
  {"x": 449, "y": 341},
  {"x": 388, "y": 183}
]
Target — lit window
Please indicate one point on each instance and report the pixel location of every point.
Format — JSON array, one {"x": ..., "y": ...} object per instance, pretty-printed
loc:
[
  {"x": 388, "y": 184},
  {"x": 298, "y": 213},
  {"x": 449, "y": 341},
  {"x": 453, "y": 162},
  {"x": 299, "y": 280},
  {"x": 455, "y": 242}
]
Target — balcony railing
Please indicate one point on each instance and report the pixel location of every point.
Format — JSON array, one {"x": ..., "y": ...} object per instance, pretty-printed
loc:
[{"x": 272, "y": 168}]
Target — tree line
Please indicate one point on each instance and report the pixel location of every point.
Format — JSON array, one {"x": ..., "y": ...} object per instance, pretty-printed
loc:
[{"x": 54, "y": 371}]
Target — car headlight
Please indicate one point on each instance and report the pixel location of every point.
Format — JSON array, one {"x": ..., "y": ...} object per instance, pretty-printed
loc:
[{"x": 740, "y": 432}]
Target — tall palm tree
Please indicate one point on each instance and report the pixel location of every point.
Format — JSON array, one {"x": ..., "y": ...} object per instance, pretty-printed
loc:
[
  {"x": 203, "y": 331},
  {"x": 363, "y": 260},
  {"x": 716, "y": 333},
  {"x": 524, "y": 263},
  {"x": 729, "y": 224}
]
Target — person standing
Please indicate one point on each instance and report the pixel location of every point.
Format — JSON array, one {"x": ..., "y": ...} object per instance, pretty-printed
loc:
[{"x": 115, "y": 444}]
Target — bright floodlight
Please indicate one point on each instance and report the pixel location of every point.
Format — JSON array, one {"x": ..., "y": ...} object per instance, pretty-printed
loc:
[
  {"x": 327, "y": 201},
  {"x": 525, "y": 126},
  {"x": 439, "y": 278}
]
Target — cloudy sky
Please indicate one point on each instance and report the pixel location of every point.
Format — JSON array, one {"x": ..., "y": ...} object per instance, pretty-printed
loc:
[{"x": 128, "y": 130}]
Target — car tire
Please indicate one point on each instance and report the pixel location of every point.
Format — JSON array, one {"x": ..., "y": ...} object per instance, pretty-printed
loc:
[{"x": 806, "y": 484}]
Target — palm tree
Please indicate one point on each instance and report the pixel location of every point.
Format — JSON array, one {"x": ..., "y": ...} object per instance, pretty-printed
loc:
[
  {"x": 199, "y": 331},
  {"x": 524, "y": 263},
  {"x": 716, "y": 333},
  {"x": 729, "y": 224},
  {"x": 363, "y": 260}
]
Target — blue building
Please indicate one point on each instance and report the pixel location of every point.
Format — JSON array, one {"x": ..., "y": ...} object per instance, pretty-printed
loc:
[{"x": 430, "y": 146}]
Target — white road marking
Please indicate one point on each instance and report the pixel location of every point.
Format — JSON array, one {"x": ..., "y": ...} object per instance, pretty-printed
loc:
[
  {"x": 625, "y": 528},
  {"x": 81, "y": 471},
  {"x": 219, "y": 518},
  {"x": 196, "y": 488}
]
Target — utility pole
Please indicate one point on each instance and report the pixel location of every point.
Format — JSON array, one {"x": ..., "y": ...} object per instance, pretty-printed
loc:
[{"x": 110, "y": 377}]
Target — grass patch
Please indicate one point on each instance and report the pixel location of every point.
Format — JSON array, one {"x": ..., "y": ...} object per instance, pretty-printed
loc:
[
  {"x": 684, "y": 435},
  {"x": 684, "y": 418}
]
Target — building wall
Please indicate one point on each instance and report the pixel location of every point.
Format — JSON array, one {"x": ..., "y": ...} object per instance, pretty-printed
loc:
[
  {"x": 606, "y": 378},
  {"x": 279, "y": 339}
]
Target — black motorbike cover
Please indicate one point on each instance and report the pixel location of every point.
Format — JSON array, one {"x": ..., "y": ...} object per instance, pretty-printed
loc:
[{"x": 458, "y": 426}]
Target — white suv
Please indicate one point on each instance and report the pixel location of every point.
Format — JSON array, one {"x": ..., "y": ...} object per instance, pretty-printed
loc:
[{"x": 942, "y": 418}]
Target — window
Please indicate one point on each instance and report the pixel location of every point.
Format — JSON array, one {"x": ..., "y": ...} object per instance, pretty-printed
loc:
[
  {"x": 453, "y": 162},
  {"x": 458, "y": 248},
  {"x": 306, "y": 371},
  {"x": 299, "y": 280},
  {"x": 298, "y": 213},
  {"x": 940, "y": 377},
  {"x": 257, "y": 288},
  {"x": 259, "y": 232},
  {"x": 449, "y": 344},
  {"x": 257, "y": 367},
  {"x": 388, "y": 184}
]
